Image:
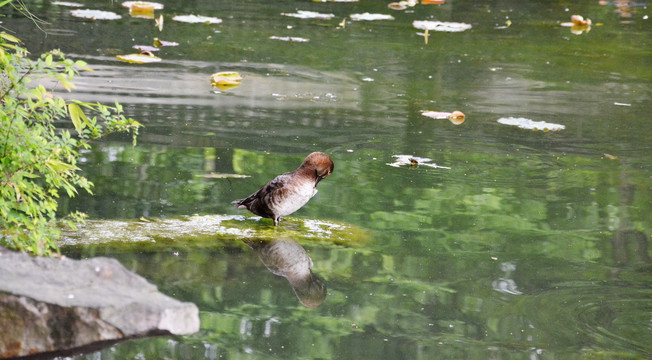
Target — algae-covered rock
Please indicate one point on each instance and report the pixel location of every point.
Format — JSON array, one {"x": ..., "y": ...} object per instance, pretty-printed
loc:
[{"x": 198, "y": 229}]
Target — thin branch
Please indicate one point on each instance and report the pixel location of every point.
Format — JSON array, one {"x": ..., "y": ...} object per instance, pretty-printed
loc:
[{"x": 13, "y": 83}]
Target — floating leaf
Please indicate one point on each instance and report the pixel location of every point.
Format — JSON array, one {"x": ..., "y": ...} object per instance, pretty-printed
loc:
[
  {"x": 528, "y": 124},
  {"x": 142, "y": 5},
  {"x": 301, "y": 14},
  {"x": 95, "y": 14},
  {"x": 370, "y": 17},
  {"x": 289, "y": 38},
  {"x": 196, "y": 19},
  {"x": 578, "y": 24},
  {"x": 138, "y": 58},
  {"x": 508, "y": 23},
  {"x": 142, "y": 48},
  {"x": 68, "y": 4},
  {"x": 398, "y": 5},
  {"x": 414, "y": 161},
  {"x": 402, "y": 5},
  {"x": 436, "y": 114},
  {"x": 456, "y": 117},
  {"x": 142, "y": 9},
  {"x": 440, "y": 26},
  {"x": 161, "y": 43},
  {"x": 226, "y": 80},
  {"x": 159, "y": 23},
  {"x": 580, "y": 21}
]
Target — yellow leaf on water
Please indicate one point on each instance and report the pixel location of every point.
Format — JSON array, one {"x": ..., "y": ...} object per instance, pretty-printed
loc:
[
  {"x": 138, "y": 58},
  {"x": 142, "y": 5},
  {"x": 226, "y": 80},
  {"x": 142, "y": 9}
]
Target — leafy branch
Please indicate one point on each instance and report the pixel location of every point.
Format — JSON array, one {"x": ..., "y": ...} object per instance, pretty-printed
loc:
[{"x": 40, "y": 160}]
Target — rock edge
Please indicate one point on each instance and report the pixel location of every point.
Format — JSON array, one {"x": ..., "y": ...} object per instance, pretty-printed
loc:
[{"x": 59, "y": 304}]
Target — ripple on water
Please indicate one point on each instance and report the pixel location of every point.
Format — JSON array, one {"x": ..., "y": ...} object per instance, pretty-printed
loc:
[{"x": 597, "y": 316}]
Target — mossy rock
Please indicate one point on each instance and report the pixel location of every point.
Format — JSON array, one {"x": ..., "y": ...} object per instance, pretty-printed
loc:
[{"x": 209, "y": 230}]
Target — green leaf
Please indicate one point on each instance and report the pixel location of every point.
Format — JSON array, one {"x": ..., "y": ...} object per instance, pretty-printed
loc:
[
  {"x": 77, "y": 116},
  {"x": 29, "y": 175},
  {"x": 8, "y": 37},
  {"x": 82, "y": 65}
]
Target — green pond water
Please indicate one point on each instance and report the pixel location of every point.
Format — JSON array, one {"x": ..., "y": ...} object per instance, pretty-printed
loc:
[{"x": 521, "y": 245}]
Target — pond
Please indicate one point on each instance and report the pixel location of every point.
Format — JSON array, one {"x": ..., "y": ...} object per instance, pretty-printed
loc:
[{"x": 520, "y": 244}]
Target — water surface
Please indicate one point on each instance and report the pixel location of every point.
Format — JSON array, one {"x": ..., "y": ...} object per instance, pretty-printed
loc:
[{"x": 533, "y": 245}]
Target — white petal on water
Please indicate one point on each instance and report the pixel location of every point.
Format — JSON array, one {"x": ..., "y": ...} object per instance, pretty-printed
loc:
[
  {"x": 436, "y": 114},
  {"x": 95, "y": 14},
  {"x": 440, "y": 26},
  {"x": 196, "y": 19},
  {"x": 528, "y": 124},
  {"x": 289, "y": 38},
  {"x": 370, "y": 17},
  {"x": 66, "y": 3},
  {"x": 302, "y": 14}
]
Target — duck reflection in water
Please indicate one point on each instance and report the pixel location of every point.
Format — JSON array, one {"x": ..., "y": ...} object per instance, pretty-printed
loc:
[{"x": 285, "y": 257}]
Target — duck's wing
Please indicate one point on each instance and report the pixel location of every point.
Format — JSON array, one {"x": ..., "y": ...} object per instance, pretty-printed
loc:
[{"x": 262, "y": 201}]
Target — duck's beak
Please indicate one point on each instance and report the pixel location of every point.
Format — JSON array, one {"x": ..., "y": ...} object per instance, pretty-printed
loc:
[{"x": 318, "y": 177}]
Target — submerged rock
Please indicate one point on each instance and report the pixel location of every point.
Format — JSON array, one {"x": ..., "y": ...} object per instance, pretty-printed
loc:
[{"x": 54, "y": 305}]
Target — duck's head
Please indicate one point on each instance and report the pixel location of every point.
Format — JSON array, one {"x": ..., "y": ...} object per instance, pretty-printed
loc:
[{"x": 318, "y": 164}]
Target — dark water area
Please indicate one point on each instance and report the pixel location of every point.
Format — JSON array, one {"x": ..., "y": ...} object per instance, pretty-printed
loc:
[{"x": 533, "y": 245}]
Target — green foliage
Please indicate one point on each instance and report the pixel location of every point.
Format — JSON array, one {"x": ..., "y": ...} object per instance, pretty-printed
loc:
[{"x": 38, "y": 160}]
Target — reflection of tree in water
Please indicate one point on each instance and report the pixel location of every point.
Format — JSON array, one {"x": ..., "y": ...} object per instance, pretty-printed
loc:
[
  {"x": 624, "y": 232},
  {"x": 286, "y": 258}
]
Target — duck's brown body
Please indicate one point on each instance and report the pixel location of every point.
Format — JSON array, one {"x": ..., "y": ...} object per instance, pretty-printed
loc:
[{"x": 288, "y": 192}]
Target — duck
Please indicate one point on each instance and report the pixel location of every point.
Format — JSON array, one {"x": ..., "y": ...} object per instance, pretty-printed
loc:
[{"x": 288, "y": 192}]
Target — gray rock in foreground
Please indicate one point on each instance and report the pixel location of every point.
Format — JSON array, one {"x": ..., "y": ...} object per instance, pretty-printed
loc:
[{"x": 49, "y": 304}]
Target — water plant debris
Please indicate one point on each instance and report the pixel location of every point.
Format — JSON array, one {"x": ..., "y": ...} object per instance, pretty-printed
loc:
[{"x": 414, "y": 161}]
